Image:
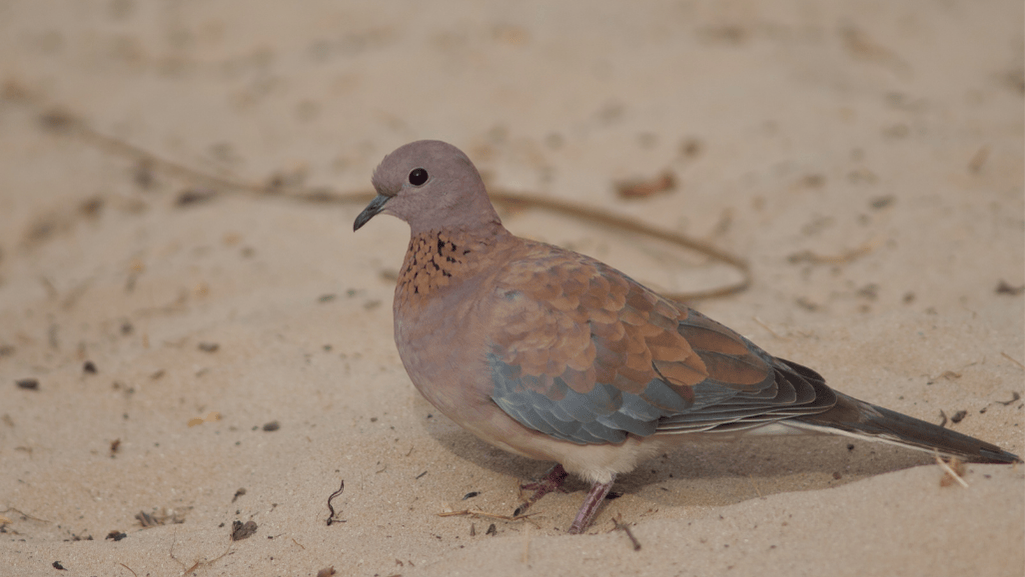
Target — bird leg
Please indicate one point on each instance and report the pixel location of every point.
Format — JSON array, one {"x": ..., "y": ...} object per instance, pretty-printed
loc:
[
  {"x": 552, "y": 481},
  {"x": 591, "y": 503}
]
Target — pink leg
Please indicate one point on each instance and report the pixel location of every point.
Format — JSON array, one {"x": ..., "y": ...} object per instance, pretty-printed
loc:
[
  {"x": 591, "y": 503},
  {"x": 552, "y": 481}
]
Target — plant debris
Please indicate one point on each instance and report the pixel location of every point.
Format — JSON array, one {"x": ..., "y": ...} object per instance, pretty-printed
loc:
[
  {"x": 645, "y": 187},
  {"x": 28, "y": 384},
  {"x": 845, "y": 257},
  {"x": 209, "y": 418},
  {"x": 955, "y": 470},
  {"x": 479, "y": 513},
  {"x": 57, "y": 120},
  {"x": 194, "y": 196},
  {"x": 978, "y": 159},
  {"x": 625, "y": 527},
  {"x": 1004, "y": 288},
  {"x": 162, "y": 517},
  {"x": 240, "y": 531},
  {"x": 1015, "y": 395},
  {"x": 331, "y": 518},
  {"x": 208, "y": 185}
]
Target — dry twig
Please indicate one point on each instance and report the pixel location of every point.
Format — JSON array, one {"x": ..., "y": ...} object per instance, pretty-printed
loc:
[
  {"x": 331, "y": 518},
  {"x": 1012, "y": 359},
  {"x": 62, "y": 122},
  {"x": 479, "y": 513},
  {"x": 625, "y": 527},
  {"x": 951, "y": 473},
  {"x": 842, "y": 258}
]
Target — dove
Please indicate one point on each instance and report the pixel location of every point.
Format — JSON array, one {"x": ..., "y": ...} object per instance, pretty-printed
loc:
[{"x": 555, "y": 356}]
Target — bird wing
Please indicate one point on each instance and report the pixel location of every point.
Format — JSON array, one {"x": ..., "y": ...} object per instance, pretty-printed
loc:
[{"x": 583, "y": 353}]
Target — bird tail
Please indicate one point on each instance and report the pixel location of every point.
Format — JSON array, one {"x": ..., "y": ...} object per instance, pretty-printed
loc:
[{"x": 864, "y": 420}]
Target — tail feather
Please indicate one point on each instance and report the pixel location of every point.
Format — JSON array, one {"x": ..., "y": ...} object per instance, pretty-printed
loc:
[{"x": 860, "y": 419}]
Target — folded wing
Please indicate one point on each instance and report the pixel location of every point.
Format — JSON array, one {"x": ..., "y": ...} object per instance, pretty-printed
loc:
[{"x": 585, "y": 354}]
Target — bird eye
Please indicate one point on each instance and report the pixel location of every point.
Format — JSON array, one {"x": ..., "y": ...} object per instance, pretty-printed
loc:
[{"x": 417, "y": 177}]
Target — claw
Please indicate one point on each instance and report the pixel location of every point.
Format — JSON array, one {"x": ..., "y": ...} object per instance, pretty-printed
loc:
[{"x": 552, "y": 481}]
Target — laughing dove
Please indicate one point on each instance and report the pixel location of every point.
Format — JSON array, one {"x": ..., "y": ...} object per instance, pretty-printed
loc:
[{"x": 555, "y": 356}]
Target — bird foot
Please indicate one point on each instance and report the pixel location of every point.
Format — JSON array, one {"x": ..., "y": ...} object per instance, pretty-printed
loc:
[
  {"x": 552, "y": 481},
  {"x": 587, "y": 511}
]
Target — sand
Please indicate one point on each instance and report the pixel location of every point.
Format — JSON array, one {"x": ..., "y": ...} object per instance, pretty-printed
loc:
[{"x": 865, "y": 157}]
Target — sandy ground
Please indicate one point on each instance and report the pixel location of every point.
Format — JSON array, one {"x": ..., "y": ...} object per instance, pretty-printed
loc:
[{"x": 865, "y": 157}]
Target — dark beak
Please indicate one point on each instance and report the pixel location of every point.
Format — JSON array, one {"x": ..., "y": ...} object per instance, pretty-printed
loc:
[{"x": 370, "y": 211}]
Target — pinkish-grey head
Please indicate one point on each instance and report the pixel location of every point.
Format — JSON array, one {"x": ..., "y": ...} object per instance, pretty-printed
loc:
[{"x": 431, "y": 185}]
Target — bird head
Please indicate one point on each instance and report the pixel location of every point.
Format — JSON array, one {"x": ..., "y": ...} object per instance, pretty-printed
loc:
[{"x": 431, "y": 185}]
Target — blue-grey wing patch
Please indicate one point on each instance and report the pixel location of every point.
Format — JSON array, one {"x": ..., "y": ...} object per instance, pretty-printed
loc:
[{"x": 604, "y": 414}]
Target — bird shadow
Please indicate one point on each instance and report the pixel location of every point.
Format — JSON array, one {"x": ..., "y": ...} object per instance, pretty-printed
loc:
[{"x": 709, "y": 472}]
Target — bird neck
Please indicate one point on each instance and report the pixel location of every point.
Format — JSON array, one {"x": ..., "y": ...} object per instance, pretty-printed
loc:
[
  {"x": 464, "y": 214},
  {"x": 437, "y": 260}
]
